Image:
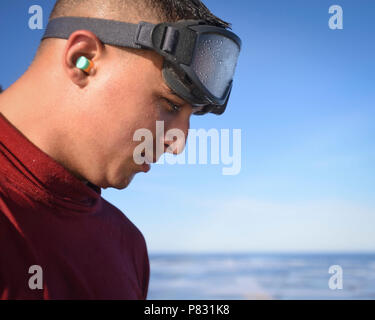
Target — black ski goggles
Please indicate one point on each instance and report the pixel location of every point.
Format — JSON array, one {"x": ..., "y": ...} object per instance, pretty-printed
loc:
[{"x": 199, "y": 59}]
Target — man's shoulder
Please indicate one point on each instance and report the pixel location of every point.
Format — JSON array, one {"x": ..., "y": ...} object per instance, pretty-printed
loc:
[{"x": 129, "y": 228}]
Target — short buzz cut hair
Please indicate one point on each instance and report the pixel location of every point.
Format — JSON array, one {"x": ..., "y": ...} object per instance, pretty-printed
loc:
[
  {"x": 134, "y": 11},
  {"x": 162, "y": 10}
]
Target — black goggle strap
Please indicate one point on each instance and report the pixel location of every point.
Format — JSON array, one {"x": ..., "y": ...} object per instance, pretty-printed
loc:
[
  {"x": 117, "y": 33},
  {"x": 110, "y": 32}
]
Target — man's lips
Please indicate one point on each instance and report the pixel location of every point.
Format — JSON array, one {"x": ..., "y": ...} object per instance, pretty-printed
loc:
[
  {"x": 148, "y": 161},
  {"x": 146, "y": 167}
]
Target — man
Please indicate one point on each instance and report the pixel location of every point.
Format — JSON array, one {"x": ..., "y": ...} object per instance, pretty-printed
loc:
[{"x": 66, "y": 132}]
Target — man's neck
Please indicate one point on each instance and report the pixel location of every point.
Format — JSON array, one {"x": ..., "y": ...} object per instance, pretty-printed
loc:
[{"x": 32, "y": 107}]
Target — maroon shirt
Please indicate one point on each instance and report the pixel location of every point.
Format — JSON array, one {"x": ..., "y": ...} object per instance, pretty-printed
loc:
[{"x": 86, "y": 247}]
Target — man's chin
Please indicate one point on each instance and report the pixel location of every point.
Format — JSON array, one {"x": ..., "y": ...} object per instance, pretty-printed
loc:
[{"x": 122, "y": 183}]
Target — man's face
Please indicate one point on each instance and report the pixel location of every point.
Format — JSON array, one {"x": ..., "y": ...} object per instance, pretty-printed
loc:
[{"x": 127, "y": 93}]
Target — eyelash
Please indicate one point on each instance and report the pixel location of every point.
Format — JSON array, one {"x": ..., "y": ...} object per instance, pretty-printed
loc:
[{"x": 175, "y": 107}]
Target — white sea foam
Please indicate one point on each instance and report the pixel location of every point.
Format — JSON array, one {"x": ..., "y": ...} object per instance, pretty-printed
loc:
[{"x": 259, "y": 277}]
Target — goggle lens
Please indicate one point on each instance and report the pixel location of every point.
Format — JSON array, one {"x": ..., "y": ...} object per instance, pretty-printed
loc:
[{"x": 215, "y": 62}]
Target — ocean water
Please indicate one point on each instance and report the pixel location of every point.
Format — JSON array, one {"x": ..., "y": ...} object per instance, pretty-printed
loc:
[{"x": 259, "y": 276}]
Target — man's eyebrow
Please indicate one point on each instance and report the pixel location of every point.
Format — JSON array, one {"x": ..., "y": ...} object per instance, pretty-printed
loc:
[{"x": 172, "y": 93}]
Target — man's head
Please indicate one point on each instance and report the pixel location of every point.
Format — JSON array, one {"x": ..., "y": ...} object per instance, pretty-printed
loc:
[{"x": 94, "y": 116}]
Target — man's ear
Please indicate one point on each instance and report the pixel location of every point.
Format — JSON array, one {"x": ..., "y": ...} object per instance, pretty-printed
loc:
[{"x": 82, "y": 43}]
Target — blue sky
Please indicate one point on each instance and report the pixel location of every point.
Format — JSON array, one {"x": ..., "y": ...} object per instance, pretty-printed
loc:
[{"x": 304, "y": 99}]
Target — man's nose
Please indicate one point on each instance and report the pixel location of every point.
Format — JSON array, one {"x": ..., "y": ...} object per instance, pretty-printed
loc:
[{"x": 176, "y": 135}]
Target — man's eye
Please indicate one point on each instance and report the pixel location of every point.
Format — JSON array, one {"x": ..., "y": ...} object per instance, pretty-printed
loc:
[{"x": 175, "y": 108}]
